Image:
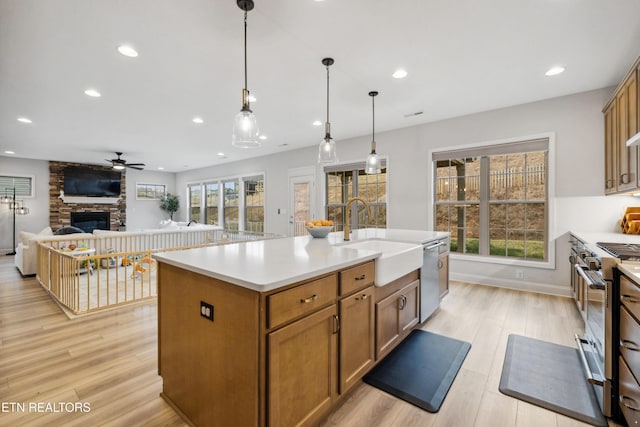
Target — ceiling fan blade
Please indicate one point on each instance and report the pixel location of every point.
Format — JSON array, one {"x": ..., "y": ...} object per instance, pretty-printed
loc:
[{"x": 138, "y": 166}]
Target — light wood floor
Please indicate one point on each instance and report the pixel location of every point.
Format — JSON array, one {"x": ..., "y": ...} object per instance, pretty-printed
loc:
[{"x": 109, "y": 360}]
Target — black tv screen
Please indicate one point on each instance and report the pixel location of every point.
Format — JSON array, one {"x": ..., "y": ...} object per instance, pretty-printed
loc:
[{"x": 80, "y": 181}]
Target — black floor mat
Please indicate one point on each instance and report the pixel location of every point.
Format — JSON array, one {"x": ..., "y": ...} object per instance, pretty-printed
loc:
[
  {"x": 551, "y": 376},
  {"x": 421, "y": 369}
]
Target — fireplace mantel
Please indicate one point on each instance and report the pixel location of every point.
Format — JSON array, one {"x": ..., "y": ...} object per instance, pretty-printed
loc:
[{"x": 90, "y": 200}]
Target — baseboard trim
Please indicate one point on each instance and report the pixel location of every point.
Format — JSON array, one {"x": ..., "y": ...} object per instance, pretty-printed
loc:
[{"x": 541, "y": 288}]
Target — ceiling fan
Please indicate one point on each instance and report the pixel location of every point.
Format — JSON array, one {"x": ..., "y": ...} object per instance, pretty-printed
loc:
[{"x": 122, "y": 163}]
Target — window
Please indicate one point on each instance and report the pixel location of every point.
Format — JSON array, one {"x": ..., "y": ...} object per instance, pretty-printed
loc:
[
  {"x": 195, "y": 191},
  {"x": 211, "y": 203},
  {"x": 22, "y": 184},
  {"x": 346, "y": 181},
  {"x": 254, "y": 204},
  {"x": 494, "y": 199},
  {"x": 236, "y": 204},
  {"x": 150, "y": 191},
  {"x": 231, "y": 204}
]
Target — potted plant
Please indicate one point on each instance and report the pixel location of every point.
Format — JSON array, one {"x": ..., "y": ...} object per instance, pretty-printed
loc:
[{"x": 170, "y": 203}]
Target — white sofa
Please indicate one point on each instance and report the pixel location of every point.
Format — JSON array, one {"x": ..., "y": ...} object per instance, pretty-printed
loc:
[
  {"x": 27, "y": 250},
  {"x": 105, "y": 241}
]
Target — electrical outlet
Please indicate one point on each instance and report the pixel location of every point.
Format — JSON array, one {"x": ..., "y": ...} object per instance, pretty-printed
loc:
[
  {"x": 520, "y": 274},
  {"x": 206, "y": 310}
]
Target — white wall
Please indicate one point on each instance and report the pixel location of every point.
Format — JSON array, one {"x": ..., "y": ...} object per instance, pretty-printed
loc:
[
  {"x": 579, "y": 203},
  {"x": 143, "y": 213},
  {"x": 140, "y": 213},
  {"x": 38, "y": 217}
]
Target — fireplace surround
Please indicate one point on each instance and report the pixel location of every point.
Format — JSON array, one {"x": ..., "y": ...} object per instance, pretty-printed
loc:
[{"x": 89, "y": 221}]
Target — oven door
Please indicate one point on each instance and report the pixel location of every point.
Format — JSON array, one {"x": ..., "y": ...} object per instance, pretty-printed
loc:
[{"x": 594, "y": 346}]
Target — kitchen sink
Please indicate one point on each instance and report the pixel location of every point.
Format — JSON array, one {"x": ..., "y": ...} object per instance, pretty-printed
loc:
[{"x": 396, "y": 259}]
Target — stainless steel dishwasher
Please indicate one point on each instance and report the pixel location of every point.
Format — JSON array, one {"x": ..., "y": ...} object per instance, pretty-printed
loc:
[{"x": 430, "y": 276}]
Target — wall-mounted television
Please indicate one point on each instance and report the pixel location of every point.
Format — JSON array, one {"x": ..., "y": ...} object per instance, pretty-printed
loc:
[{"x": 84, "y": 181}]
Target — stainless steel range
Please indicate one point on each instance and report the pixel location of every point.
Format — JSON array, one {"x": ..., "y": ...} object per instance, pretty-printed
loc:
[{"x": 591, "y": 281}]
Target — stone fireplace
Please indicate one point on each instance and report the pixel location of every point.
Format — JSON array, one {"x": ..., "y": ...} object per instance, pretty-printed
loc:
[
  {"x": 114, "y": 209},
  {"x": 89, "y": 221}
]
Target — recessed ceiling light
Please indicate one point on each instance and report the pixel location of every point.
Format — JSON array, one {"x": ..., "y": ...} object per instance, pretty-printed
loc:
[
  {"x": 197, "y": 120},
  {"x": 317, "y": 123},
  {"x": 262, "y": 137},
  {"x": 221, "y": 154},
  {"x": 127, "y": 50},
  {"x": 160, "y": 168},
  {"x": 553, "y": 71},
  {"x": 24, "y": 120},
  {"x": 9, "y": 152},
  {"x": 92, "y": 93},
  {"x": 252, "y": 98},
  {"x": 400, "y": 74}
]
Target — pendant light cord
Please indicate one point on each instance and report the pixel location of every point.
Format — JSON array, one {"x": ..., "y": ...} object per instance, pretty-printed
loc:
[
  {"x": 373, "y": 109},
  {"x": 245, "y": 51},
  {"x": 327, "y": 94}
]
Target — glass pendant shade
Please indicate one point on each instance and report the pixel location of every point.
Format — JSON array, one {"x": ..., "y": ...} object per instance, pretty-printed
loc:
[
  {"x": 373, "y": 160},
  {"x": 245, "y": 125},
  {"x": 373, "y": 164},
  {"x": 327, "y": 151},
  {"x": 245, "y": 130}
]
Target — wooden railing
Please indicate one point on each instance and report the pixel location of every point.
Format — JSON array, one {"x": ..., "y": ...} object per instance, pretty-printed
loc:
[{"x": 106, "y": 278}]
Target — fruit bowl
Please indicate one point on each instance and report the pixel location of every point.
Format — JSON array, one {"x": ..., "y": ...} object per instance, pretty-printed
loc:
[{"x": 319, "y": 230}]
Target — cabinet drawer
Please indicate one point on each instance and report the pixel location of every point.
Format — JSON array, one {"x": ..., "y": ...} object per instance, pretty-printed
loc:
[
  {"x": 630, "y": 341},
  {"x": 303, "y": 299},
  {"x": 630, "y": 296},
  {"x": 629, "y": 392},
  {"x": 356, "y": 278}
]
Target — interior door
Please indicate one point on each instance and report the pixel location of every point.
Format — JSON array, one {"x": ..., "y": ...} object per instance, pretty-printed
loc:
[{"x": 301, "y": 202}]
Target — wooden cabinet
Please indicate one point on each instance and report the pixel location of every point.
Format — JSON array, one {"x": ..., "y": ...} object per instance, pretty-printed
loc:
[
  {"x": 396, "y": 315},
  {"x": 610, "y": 149},
  {"x": 627, "y": 105},
  {"x": 443, "y": 274},
  {"x": 303, "y": 369},
  {"x": 284, "y": 357},
  {"x": 629, "y": 347},
  {"x": 620, "y": 123},
  {"x": 357, "y": 336}
]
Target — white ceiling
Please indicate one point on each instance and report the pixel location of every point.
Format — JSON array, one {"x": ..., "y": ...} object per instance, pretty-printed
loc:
[{"x": 462, "y": 56}]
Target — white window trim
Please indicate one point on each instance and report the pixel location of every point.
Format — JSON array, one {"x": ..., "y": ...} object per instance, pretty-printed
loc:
[
  {"x": 33, "y": 183},
  {"x": 149, "y": 198},
  {"x": 220, "y": 180},
  {"x": 550, "y": 263}
]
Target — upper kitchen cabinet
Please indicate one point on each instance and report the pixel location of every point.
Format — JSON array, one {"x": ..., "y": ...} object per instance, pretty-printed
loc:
[{"x": 621, "y": 123}]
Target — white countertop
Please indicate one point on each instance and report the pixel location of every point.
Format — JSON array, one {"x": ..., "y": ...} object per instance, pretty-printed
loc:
[
  {"x": 631, "y": 269},
  {"x": 395, "y": 234},
  {"x": 265, "y": 265},
  {"x": 591, "y": 237}
]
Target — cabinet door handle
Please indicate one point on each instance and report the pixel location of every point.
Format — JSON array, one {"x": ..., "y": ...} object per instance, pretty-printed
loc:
[
  {"x": 608, "y": 184},
  {"x": 629, "y": 345},
  {"x": 403, "y": 302},
  {"x": 310, "y": 299},
  {"x": 624, "y": 401},
  {"x": 336, "y": 324},
  {"x": 362, "y": 277},
  {"x": 440, "y": 264},
  {"x": 628, "y": 298},
  {"x": 362, "y": 297},
  {"x": 623, "y": 181}
]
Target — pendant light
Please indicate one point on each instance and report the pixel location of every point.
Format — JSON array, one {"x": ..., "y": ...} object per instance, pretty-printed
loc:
[
  {"x": 245, "y": 126},
  {"x": 327, "y": 150},
  {"x": 373, "y": 160}
]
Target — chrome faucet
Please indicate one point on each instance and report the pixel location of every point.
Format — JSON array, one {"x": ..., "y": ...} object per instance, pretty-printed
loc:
[{"x": 348, "y": 214}]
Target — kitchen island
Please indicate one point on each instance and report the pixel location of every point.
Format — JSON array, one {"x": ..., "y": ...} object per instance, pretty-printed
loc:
[{"x": 275, "y": 332}]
